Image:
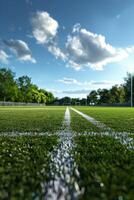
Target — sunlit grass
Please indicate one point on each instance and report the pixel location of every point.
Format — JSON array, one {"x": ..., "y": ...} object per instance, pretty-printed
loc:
[
  {"x": 120, "y": 119},
  {"x": 31, "y": 119},
  {"x": 81, "y": 125}
]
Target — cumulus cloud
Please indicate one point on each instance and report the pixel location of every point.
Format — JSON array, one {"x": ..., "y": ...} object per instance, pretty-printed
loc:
[
  {"x": 82, "y": 48},
  {"x": 56, "y": 51},
  {"x": 85, "y": 48},
  {"x": 45, "y": 30},
  {"x": 4, "y": 57},
  {"x": 20, "y": 49},
  {"x": 76, "y": 28},
  {"x": 44, "y": 27}
]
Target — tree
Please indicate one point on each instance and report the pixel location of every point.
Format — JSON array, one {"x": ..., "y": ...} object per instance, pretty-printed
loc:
[
  {"x": 127, "y": 87},
  {"x": 103, "y": 95},
  {"x": 21, "y": 89},
  {"x": 92, "y": 98},
  {"x": 49, "y": 97},
  {"x": 65, "y": 101},
  {"x": 75, "y": 101},
  {"x": 83, "y": 102},
  {"x": 25, "y": 86},
  {"x": 8, "y": 87},
  {"x": 117, "y": 94},
  {"x": 38, "y": 96}
]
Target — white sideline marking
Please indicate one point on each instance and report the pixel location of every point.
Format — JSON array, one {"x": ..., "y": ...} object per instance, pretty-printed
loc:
[
  {"x": 92, "y": 120},
  {"x": 67, "y": 118},
  {"x": 123, "y": 137},
  {"x": 63, "y": 169},
  {"x": 18, "y": 134}
]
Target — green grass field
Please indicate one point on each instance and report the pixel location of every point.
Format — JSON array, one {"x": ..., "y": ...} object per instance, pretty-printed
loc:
[
  {"x": 24, "y": 166},
  {"x": 80, "y": 125},
  {"x": 118, "y": 118},
  {"x": 31, "y": 119},
  {"x": 106, "y": 168},
  {"x": 104, "y": 163}
]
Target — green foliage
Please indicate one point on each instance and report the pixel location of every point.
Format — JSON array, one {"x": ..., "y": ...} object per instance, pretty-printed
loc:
[
  {"x": 104, "y": 96},
  {"x": 8, "y": 86},
  {"x": 22, "y": 89},
  {"x": 127, "y": 86},
  {"x": 117, "y": 94},
  {"x": 92, "y": 98}
]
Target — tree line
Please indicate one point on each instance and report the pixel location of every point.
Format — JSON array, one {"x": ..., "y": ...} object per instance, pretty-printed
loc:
[
  {"x": 21, "y": 89},
  {"x": 118, "y": 94}
]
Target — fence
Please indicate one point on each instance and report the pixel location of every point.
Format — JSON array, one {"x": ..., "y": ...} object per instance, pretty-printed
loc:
[
  {"x": 116, "y": 104},
  {"x": 5, "y": 103}
]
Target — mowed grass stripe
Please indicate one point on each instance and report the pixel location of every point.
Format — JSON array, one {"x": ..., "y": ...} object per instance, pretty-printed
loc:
[
  {"x": 31, "y": 119},
  {"x": 118, "y": 118}
]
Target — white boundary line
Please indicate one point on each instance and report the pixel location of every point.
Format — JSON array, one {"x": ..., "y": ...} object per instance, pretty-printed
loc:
[
  {"x": 92, "y": 120},
  {"x": 63, "y": 169},
  {"x": 123, "y": 137}
]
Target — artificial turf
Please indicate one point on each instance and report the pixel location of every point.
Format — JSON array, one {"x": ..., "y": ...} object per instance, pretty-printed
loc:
[
  {"x": 81, "y": 125},
  {"x": 31, "y": 119},
  {"x": 106, "y": 168},
  {"x": 24, "y": 166},
  {"x": 118, "y": 118}
]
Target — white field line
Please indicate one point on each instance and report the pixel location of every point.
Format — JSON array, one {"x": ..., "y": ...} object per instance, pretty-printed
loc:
[
  {"x": 66, "y": 124},
  {"x": 123, "y": 137},
  {"x": 63, "y": 169},
  {"x": 18, "y": 134},
  {"x": 92, "y": 120}
]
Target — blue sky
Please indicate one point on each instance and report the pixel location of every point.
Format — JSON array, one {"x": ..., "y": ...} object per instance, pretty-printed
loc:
[{"x": 68, "y": 46}]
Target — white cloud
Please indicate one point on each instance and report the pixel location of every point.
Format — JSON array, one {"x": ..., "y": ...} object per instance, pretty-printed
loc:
[
  {"x": 92, "y": 84},
  {"x": 82, "y": 91},
  {"x": 76, "y": 28},
  {"x": 20, "y": 49},
  {"x": 3, "y": 57},
  {"x": 56, "y": 51},
  {"x": 82, "y": 88},
  {"x": 85, "y": 48},
  {"x": 69, "y": 81},
  {"x": 45, "y": 30},
  {"x": 130, "y": 49},
  {"x": 27, "y": 58},
  {"x": 82, "y": 48},
  {"x": 44, "y": 27}
]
